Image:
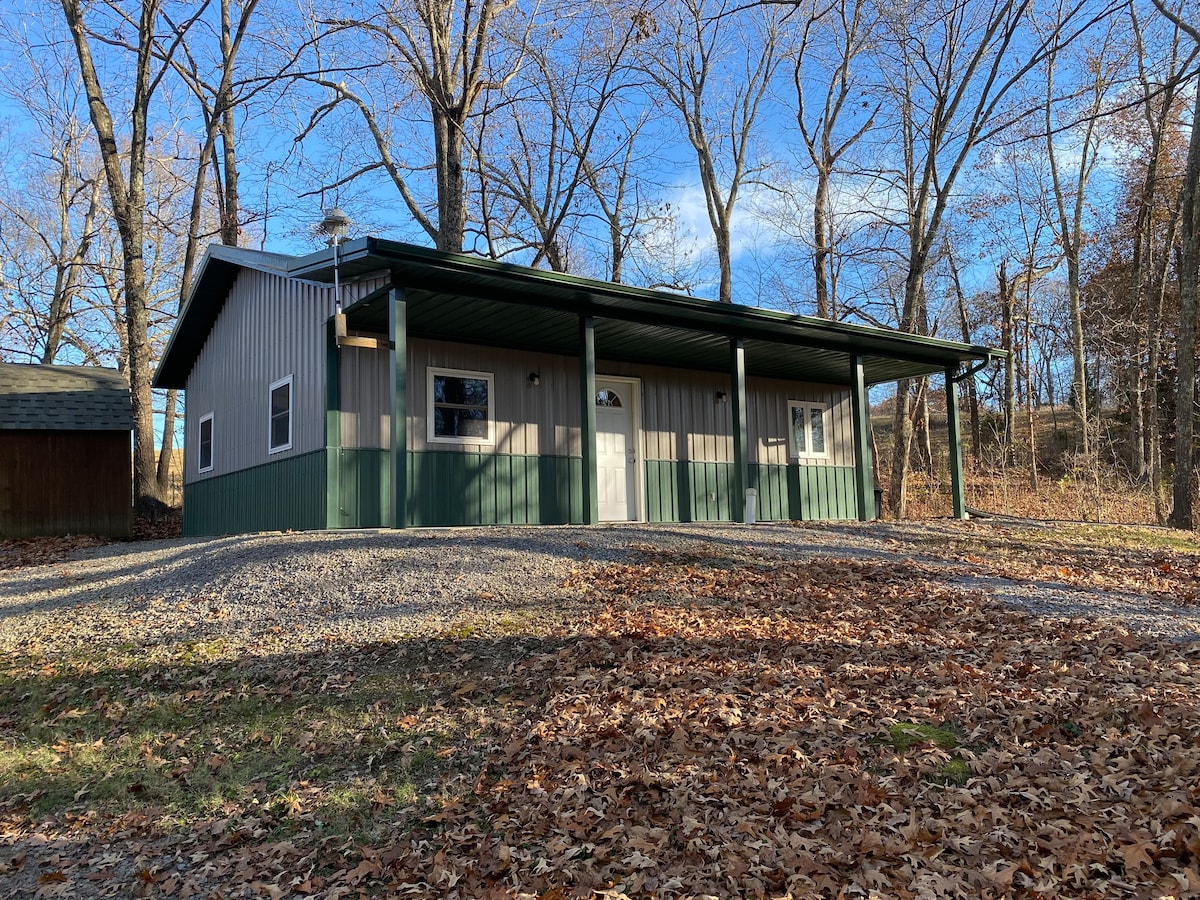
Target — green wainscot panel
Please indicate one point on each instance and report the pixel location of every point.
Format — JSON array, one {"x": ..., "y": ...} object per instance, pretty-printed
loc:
[
  {"x": 279, "y": 496},
  {"x": 493, "y": 489},
  {"x": 683, "y": 491},
  {"x": 450, "y": 488},
  {"x": 363, "y": 488}
]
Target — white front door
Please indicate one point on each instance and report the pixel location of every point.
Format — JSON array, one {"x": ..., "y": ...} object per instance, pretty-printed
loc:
[{"x": 616, "y": 449}]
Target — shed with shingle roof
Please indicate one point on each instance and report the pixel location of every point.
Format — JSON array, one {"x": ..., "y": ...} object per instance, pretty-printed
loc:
[{"x": 65, "y": 461}]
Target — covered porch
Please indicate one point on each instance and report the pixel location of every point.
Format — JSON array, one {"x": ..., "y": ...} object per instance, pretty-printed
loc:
[{"x": 467, "y": 300}]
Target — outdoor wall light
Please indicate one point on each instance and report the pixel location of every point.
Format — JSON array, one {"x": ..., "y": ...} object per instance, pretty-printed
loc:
[
  {"x": 722, "y": 396},
  {"x": 535, "y": 378}
]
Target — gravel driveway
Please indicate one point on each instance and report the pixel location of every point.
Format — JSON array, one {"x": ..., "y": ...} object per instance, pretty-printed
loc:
[{"x": 305, "y": 588}]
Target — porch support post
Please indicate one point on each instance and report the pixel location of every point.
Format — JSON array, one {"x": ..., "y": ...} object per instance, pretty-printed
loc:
[
  {"x": 587, "y": 400},
  {"x": 860, "y": 414},
  {"x": 741, "y": 456},
  {"x": 333, "y": 429},
  {"x": 398, "y": 371},
  {"x": 958, "y": 496}
]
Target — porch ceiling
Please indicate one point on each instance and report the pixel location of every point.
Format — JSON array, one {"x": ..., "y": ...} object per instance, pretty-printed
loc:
[{"x": 476, "y": 320}]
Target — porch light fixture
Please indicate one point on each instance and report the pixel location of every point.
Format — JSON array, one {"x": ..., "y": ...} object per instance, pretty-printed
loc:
[
  {"x": 722, "y": 396},
  {"x": 535, "y": 378}
]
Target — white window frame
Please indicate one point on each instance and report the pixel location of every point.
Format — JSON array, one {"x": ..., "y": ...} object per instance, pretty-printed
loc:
[
  {"x": 808, "y": 406},
  {"x": 490, "y": 378},
  {"x": 200, "y": 467},
  {"x": 275, "y": 385}
]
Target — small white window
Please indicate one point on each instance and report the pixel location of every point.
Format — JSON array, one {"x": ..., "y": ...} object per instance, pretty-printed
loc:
[
  {"x": 808, "y": 430},
  {"x": 460, "y": 407},
  {"x": 204, "y": 456},
  {"x": 279, "y": 427}
]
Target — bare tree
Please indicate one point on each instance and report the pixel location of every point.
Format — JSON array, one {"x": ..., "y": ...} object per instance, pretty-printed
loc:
[
  {"x": 124, "y": 155},
  {"x": 544, "y": 136},
  {"x": 218, "y": 100},
  {"x": 50, "y": 205},
  {"x": 1183, "y": 487},
  {"x": 951, "y": 65},
  {"x": 835, "y": 35},
  {"x": 1100, "y": 62},
  {"x": 719, "y": 103},
  {"x": 1155, "y": 226},
  {"x": 447, "y": 50}
]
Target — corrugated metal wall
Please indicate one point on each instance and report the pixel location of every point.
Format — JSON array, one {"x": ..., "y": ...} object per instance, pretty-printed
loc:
[
  {"x": 531, "y": 420},
  {"x": 288, "y": 494},
  {"x": 682, "y": 419},
  {"x": 270, "y": 327},
  {"x": 366, "y": 398},
  {"x": 767, "y": 420},
  {"x": 681, "y": 416}
]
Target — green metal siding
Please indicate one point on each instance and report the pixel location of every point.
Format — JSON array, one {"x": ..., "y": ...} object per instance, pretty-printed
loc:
[
  {"x": 277, "y": 496},
  {"x": 488, "y": 489},
  {"x": 493, "y": 489},
  {"x": 681, "y": 491},
  {"x": 461, "y": 489},
  {"x": 364, "y": 487}
]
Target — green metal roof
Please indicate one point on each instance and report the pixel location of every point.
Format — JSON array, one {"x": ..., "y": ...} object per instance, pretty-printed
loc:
[
  {"x": 457, "y": 297},
  {"x": 63, "y": 398}
]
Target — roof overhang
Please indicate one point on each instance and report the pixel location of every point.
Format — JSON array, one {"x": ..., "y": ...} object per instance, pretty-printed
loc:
[
  {"x": 215, "y": 275},
  {"x": 464, "y": 298}
]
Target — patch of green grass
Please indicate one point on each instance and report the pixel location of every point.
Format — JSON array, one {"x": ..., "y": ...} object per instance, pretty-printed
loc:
[
  {"x": 954, "y": 771},
  {"x": 1133, "y": 538},
  {"x": 189, "y": 733},
  {"x": 905, "y": 735}
]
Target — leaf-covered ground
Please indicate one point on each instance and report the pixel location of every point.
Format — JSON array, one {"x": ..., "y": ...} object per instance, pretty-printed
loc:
[{"x": 722, "y": 725}]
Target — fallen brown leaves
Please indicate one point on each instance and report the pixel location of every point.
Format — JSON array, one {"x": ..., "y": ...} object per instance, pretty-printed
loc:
[
  {"x": 734, "y": 742},
  {"x": 15, "y": 554},
  {"x": 721, "y": 726},
  {"x": 1093, "y": 557}
]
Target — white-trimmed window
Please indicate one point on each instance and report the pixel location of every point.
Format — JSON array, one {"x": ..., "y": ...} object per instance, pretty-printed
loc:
[
  {"x": 279, "y": 425},
  {"x": 460, "y": 407},
  {"x": 204, "y": 444},
  {"x": 808, "y": 429}
]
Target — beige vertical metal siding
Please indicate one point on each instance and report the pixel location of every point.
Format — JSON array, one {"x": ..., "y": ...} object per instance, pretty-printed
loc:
[
  {"x": 366, "y": 397},
  {"x": 682, "y": 419},
  {"x": 534, "y": 420},
  {"x": 269, "y": 327},
  {"x": 767, "y": 420}
]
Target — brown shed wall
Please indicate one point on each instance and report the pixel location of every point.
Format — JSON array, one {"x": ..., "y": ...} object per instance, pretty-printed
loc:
[{"x": 65, "y": 482}]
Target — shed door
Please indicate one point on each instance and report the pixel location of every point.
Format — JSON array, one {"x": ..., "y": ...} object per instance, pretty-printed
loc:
[{"x": 616, "y": 450}]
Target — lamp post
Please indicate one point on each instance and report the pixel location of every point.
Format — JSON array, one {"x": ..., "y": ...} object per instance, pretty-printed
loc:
[{"x": 335, "y": 224}]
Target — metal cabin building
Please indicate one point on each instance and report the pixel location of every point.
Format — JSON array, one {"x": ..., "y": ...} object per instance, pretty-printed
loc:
[
  {"x": 66, "y": 465},
  {"x": 514, "y": 396}
]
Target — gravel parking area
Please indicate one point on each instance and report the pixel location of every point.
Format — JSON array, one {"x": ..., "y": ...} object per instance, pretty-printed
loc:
[{"x": 301, "y": 589}]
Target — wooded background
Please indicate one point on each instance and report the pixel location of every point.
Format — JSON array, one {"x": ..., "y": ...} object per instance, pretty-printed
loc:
[{"x": 1019, "y": 174}]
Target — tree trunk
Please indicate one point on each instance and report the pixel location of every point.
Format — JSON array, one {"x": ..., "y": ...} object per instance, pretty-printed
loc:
[
  {"x": 1183, "y": 489},
  {"x": 902, "y": 433},
  {"x": 128, "y": 200},
  {"x": 1007, "y": 291},
  {"x": 452, "y": 213},
  {"x": 821, "y": 243},
  {"x": 167, "y": 451}
]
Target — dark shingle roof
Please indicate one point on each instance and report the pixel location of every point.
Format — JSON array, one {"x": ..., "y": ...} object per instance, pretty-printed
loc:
[{"x": 64, "y": 398}]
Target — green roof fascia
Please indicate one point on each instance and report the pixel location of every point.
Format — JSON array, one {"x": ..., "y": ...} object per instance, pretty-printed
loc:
[{"x": 419, "y": 267}]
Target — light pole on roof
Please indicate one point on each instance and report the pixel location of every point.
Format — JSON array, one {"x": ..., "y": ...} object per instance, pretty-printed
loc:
[{"x": 335, "y": 224}]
